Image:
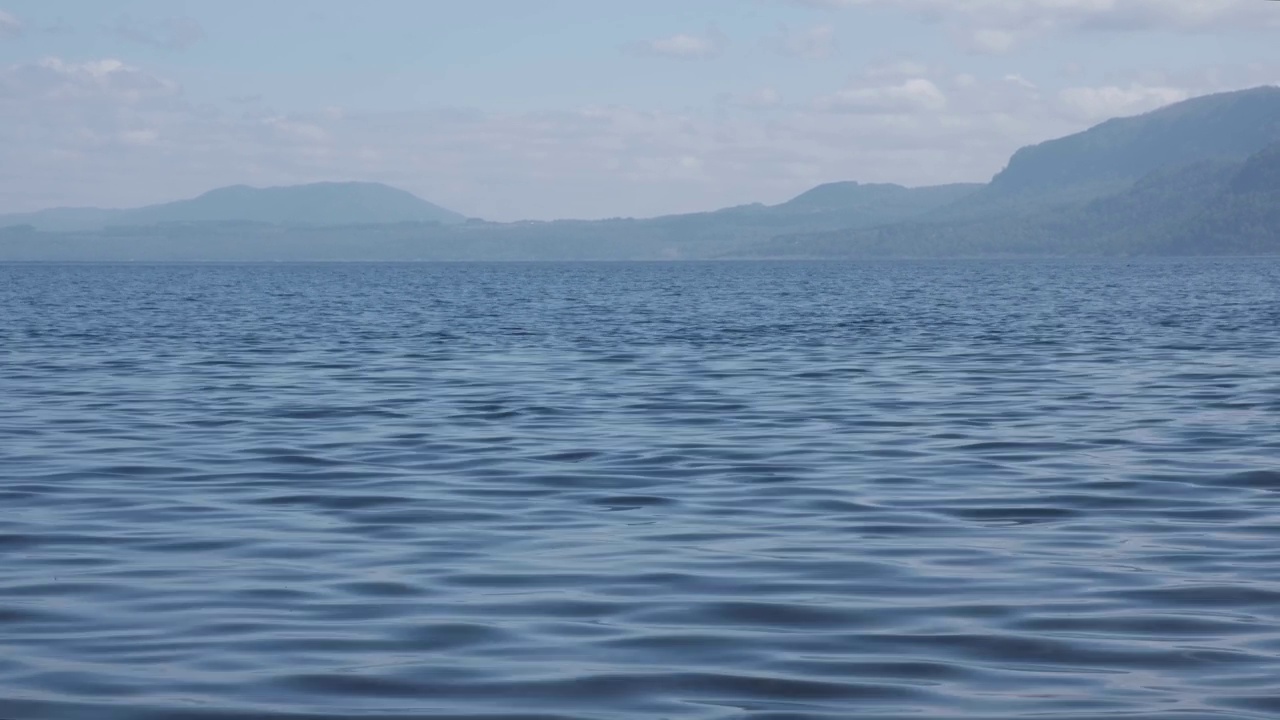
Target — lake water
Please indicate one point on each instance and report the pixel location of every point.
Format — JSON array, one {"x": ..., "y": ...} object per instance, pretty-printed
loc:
[{"x": 612, "y": 491}]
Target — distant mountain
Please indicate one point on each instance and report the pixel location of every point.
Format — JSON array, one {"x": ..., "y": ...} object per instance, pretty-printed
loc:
[
  {"x": 1244, "y": 217},
  {"x": 691, "y": 236},
  {"x": 832, "y": 205},
  {"x": 1110, "y": 157},
  {"x": 711, "y": 234},
  {"x": 875, "y": 203},
  {"x": 1261, "y": 172},
  {"x": 1201, "y": 177},
  {"x": 1208, "y": 207},
  {"x": 318, "y": 204},
  {"x": 1226, "y": 126}
]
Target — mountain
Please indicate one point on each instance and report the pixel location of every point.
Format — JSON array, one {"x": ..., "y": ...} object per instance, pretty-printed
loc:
[
  {"x": 318, "y": 204},
  {"x": 1244, "y": 218},
  {"x": 1207, "y": 207},
  {"x": 1228, "y": 126},
  {"x": 690, "y": 236},
  {"x": 1200, "y": 177},
  {"x": 1261, "y": 172},
  {"x": 1110, "y": 157},
  {"x": 875, "y": 199},
  {"x": 827, "y": 206}
]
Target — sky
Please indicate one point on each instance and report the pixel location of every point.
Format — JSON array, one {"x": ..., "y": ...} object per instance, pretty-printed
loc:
[{"x": 542, "y": 109}]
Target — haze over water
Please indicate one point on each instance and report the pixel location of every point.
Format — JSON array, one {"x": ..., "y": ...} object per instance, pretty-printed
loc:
[{"x": 974, "y": 490}]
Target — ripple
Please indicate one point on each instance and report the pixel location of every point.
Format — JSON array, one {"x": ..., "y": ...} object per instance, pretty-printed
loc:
[{"x": 987, "y": 490}]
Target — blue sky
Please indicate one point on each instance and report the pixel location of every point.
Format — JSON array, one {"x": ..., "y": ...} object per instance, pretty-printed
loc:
[{"x": 509, "y": 109}]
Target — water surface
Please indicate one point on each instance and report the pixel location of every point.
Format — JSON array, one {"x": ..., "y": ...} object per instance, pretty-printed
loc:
[{"x": 891, "y": 490}]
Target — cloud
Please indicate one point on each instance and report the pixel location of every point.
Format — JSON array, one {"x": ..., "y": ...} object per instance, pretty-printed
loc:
[
  {"x": 1020, "y": 80},
  {"x": 684, "y": 46},
  {"x": 143, "y": 136},
  {"x": 909, "y": 96},
  {"x": 991, "y": 41},
  {"x": 10, "y": 26},
  {"x": 108, "y": 133},
  {"x": 899, "y": 70},
  {"x": 817, "y": 42},
  {"x": 760, "y": 98},
  {"x": 1100, "y": 103},
  {"x": 825, "y": 4},
  {"x": 107, "y": 80},
  {"x": 997, "y": 26},
  {"x": 175, "y": 34},
  {"x": 292, "y": 130}
]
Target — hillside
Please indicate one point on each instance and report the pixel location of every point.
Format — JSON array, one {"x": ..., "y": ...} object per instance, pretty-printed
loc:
[
  {"x": 1207, "y": 207},
  {"x": 875, "y": 202},
  {"x": 318, "y": 204},
  {"x": 1198, "y": 177},
  {"x": 692, "y": 236},
  {"x": 826, "y": 207},
  {"x": 1228, "y": 126},
  {"x": 1242, "y": 219},
  {"x": 1110, "y": 157}
]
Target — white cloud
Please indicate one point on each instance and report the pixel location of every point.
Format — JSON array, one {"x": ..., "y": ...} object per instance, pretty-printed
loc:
[
  {"x": 910, "y": 96},
  {"x": 10, "y": 26},
  {"x": 144, "y": 136},
  {"x": 1017, "y": 79},
  {"x": 107, "y": 79},
  {"x": 1100, "y": 103},
  {"x": 827, "y": 4},
  {"x": 176, "y": 33},
  {"x": 816, "y": 43},
  {"x": 992, "y": 41},
  {"x": 996, "y": 26},
  {"x": 760, "y": 98},
  {"x": 103, "y": 132},
  {"x": 898, "y": 70},
  {"x": 685, "y": 46},
  {"x": 290, "y": 129}
]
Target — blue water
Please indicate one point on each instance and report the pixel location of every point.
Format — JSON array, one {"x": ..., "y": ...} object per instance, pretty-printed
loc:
[{"x": 899, "y": 490}]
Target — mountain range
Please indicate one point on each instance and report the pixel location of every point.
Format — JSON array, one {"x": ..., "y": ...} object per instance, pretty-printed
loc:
[
  {"x": 317, "y": 204},
  {"x": 1200, "y": 177}
]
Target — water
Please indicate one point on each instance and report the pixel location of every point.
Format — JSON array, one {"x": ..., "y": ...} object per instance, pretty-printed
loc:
[{"x": 900, "y": 490}]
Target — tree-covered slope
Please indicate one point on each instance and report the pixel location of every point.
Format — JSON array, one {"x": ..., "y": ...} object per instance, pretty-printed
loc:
[
  {"x": 1108, "y": 158},
  {"x": 1242, "y": 219},
  {"x": 1229, "y": 126},
  {"x": 1207, "y": 207},
  {"x": 1200, "y": 176}
]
